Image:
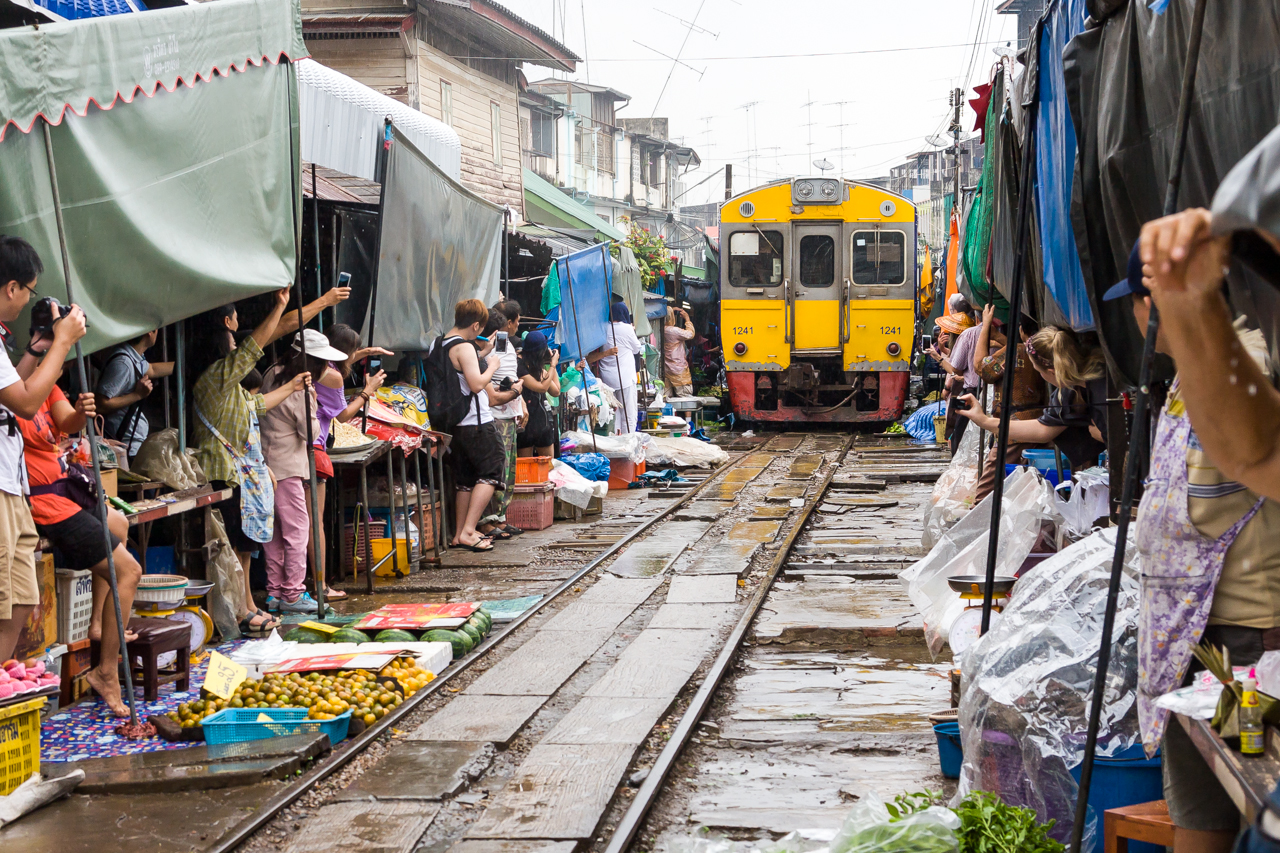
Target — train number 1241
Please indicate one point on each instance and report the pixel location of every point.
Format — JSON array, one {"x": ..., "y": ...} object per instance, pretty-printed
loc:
[
  {"x": 890, "y": 330},
  {"x": 743, "y": 330}
]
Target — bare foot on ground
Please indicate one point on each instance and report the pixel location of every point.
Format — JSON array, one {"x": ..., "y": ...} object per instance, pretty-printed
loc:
[
  {"x": 108, "y": 687},
  {"x": 95, "y": 634}
]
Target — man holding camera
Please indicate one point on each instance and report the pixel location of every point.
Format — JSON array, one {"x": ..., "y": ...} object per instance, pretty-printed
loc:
[
  {"x": 22, "y": 391},
  {"x": 508, "y": 415}
]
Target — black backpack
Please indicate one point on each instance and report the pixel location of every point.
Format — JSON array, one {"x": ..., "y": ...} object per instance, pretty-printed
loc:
[{"x": 447, "y": 404}]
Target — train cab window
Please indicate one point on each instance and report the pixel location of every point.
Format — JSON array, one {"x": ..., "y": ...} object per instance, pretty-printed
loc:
[
  {"x": 878, "y": 257},
  {"x": 817, "y": 260},
  {"x": 755, "y": 258}
]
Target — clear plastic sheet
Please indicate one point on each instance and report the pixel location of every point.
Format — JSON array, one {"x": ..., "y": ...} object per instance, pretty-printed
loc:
[
  {"x": 573, "y": 488},
  {"x": 1028, "y": 683},
  {"x": 954, "y": 492},
  {"x": 162, "y": 460},
  {"x": 1029, "y": 507},
  {"x": 683, "y": 453},
  {"x": 1090, "y": 500},
  {"x": 226, "y": 599}
]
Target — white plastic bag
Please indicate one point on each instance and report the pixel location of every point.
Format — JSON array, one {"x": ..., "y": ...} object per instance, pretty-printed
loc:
[
  {"x": 954, "y": 491},
  {"x": 1090, "y": 500},
  {"x": 867, "y": 829},
  {"x": 573, "y": 488},
  {"x": 1029, "y": 504}
]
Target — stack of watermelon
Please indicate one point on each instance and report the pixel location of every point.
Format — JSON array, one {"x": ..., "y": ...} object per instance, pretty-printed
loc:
[
  {"x": 464, "y": 639},
  {"x": 17, "y": 678}
]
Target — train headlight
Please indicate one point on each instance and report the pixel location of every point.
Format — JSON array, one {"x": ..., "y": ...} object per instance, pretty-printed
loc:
[
  {"x": 893, "y": 349},
  {"x": 804, "y": 190},
  {"x": 740, "y": 348}
]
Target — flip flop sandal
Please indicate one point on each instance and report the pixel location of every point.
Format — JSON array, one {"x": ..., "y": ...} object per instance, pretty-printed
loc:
[
  {"x": 499, "y": 534},
  {"x": 513, "y": 531},
  {"x": 335, "y": 594},
  {"x": 476, "y": 547},
  {"x": 247, "y": 626}
]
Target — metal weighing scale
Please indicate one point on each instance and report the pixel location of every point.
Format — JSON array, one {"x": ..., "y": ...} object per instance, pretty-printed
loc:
[{"x": 968, "y": 625}]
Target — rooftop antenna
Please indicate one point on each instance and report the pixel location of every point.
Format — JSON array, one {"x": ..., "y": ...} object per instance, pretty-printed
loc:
[
  {"x": 842, "y": 126},
  {"x": 692, "y": 26},
  {"x": 688, "y": 32},
  {"x": 673, "y": 59},
  {"x": 750, "y": 150},
  {"x": 809, "y": 124}
]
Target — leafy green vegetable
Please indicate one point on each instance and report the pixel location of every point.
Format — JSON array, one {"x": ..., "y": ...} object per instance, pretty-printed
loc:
[
  {"x": 902, "y": 838},
  {"x": 904, "y": 805},
  {"x": 896, "y": 428},
  {"x": 987, "y": 825}
]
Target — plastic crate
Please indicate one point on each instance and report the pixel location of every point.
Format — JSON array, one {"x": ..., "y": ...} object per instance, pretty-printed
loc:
[
  {"x": 532, "y": 470},
  {"x": 533, "y": 507},
  {"x": 19, "y": 743},
  {"x": 234, "y": 725},
  {"x": 355, "y": 534},
  {"x": 621, "y": 473},
  {"x": 75, "y": 604}
]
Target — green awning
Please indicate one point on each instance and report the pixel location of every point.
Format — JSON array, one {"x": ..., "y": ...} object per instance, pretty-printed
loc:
[
  {"x": 546, "y": 204},
  {"x": 178, "y": 201},
  {"x": 109, "y": 61}
]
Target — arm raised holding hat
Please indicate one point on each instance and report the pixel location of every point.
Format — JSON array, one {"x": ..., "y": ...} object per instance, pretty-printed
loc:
[{"x": 1232, "y": 405}]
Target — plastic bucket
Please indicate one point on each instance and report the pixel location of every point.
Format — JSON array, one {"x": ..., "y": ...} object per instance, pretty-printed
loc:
[
  {"x": 940, "y": 428},
  {"x": 1124, "y": 780},
  {"x": 950, "y": 754}
]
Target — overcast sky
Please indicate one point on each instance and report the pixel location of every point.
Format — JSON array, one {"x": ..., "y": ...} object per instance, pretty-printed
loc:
[{"x": 782, "y": 54}]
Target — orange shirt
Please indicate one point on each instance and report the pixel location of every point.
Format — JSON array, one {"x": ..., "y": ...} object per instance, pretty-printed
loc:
[{"x": 45, "y": 465}]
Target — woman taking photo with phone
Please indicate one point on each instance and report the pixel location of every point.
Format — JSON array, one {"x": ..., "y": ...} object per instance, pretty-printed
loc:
[{"x": 538, "y": 370}]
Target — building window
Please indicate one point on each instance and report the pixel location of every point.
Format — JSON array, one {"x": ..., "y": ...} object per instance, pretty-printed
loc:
[
  {"x": 542, "y": 131},
  {"x": 655, "y": 173},
  {"x": 446, "y": 102},
  {"x": 495, "y": 113}
]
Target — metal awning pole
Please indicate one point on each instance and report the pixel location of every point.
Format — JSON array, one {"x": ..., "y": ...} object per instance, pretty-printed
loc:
[
  {"x": 315, "y": 223},
  {"x": 1137, "y": 441},
  {"x": 1011, "y": 356},
  {"x": 617, "y": 362},
  {"x": 377, "y": 252},
  {"x": 121, "y": 624},
  {"x": 317, "y": 569}
]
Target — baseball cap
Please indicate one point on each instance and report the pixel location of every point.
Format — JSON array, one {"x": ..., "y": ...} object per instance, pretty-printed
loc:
[{"x": 1132, "y": 285}]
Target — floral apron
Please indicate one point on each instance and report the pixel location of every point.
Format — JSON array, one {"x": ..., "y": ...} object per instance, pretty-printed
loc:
[
  {"x": 1180, "y": 571},
  {"x": 257, "y": 492}
]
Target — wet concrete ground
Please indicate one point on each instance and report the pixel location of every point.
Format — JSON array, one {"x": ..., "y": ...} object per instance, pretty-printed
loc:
[{"x": 831, "y": 694}]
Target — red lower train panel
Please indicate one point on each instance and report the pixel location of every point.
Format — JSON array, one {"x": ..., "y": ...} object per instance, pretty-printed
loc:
[{"x": 893, "y": 396}]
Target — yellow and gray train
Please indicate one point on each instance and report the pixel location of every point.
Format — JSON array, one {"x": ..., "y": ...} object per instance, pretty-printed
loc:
[{"x": 818, "y": 302}]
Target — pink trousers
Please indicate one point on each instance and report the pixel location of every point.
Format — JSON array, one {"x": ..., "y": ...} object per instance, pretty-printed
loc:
[{"x": 287, "y": 551}]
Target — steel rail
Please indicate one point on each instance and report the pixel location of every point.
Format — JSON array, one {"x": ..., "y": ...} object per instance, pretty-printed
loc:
[
  {"x": 327, "y": 767},
  {"x": 649, "y": 790}
]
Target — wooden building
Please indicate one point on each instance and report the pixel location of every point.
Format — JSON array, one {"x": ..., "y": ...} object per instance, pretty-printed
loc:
[{"x": 455, "y": 60}]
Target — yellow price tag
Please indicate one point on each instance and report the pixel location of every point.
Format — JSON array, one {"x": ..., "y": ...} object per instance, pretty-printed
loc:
[
  {"x": 224, "y": 676},
  {"x": 320, "y": 626}
]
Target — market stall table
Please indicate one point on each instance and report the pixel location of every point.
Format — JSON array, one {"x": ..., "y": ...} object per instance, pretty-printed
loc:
[
  {"x": 360, "y": 458},
  {"x": 157, "y": 507},
  {"x": 1248, "y": 781}
]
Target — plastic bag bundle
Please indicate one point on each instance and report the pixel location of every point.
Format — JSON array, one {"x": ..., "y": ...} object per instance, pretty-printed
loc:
[
  {"x": 684, "y": 453},
  {"x": 632, "y": 446},
  {"x": 573, "y": 488},
  {"x": 954, "y": 491},
  {"x": 162, "y": 460},
  {"x": 1028, "y": 683},
  {"x": 593, "y": 466},
  {"x": 1029, "y": 505},
  {"x": 226, "y": 599},
  {"x": 1090, "y": 500}
]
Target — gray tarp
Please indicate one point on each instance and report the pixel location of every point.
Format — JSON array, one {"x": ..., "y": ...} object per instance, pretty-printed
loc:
[
  {"x": 1122, "y": 84},
  {"x": 441, "y": 243}
]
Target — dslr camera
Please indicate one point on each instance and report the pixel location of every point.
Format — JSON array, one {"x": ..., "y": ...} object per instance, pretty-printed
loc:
[{"x": 42, "y": 315}]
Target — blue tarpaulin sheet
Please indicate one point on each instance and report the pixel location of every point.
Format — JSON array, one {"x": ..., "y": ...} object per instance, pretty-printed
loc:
[
  {"x": 586, "y": 282},
  {"x": 920, "y": 424},
  {"x": 1055, "y": 169}
]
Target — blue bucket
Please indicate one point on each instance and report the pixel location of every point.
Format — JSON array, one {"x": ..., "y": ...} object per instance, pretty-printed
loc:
[
  {"x": 1050, "y": 476},
  {"x": 1126, "y": 779},
  {"x": 950, "y": 755}
]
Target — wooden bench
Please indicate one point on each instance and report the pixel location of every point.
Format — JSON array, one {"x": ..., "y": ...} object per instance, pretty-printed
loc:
[{"x": 1147, "y": 822}]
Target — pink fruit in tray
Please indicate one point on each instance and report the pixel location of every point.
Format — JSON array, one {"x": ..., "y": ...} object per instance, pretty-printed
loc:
[
  {"x": 5, "y": 677},
  {"x": 36, "y": 669},
  {"x": 17, "y": 670},
  {"x": 48, "y": 678},
  {"x": 7, "y": 689}
]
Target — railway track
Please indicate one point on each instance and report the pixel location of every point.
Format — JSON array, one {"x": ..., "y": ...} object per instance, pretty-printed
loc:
[{"x": 564, "y": 728}]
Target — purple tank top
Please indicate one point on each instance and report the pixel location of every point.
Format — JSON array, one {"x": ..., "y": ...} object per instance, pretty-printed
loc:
[{"x": 329, "y": 404}]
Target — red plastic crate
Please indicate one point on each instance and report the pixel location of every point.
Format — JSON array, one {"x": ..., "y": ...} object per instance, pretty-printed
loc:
[
  {"x": 532, "y": 470},
  {"x": 533, "y": 507}
]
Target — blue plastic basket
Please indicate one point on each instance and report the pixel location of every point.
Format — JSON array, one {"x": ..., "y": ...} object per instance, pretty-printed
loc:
[
  {"x": 1125, "y": 780},
  {"x": 950, "y": 754},
  {"x": 234, "y": 725}
]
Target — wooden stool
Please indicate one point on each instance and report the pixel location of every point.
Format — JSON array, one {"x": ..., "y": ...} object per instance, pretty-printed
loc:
[
  {"x": 1147, "y": 822},
  {"x": 155, "y": 637}
]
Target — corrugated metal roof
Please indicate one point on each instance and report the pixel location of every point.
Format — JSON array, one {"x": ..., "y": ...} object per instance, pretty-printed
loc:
[
  {"x": 342, "y": 124},
  {"x": 332, "y": 185},
  {"x": 348, "y": 22},
  {"x": 510, "y": 35}
]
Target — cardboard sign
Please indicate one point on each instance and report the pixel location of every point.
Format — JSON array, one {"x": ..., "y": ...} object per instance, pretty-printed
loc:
[
  {"x": 320, "y": 626},
  {"x": 350, "y": 660},
  {"x": 414, "y": 615},
  {"x": 224, "y": 676}
]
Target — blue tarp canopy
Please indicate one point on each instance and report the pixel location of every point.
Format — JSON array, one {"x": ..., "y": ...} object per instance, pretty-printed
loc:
[
  {"x": 586, "y": 282},
  {"x": 1055, "y": 169}
]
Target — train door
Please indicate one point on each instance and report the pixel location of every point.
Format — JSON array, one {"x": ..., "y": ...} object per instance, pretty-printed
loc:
[{"x": 816, "y": 293}]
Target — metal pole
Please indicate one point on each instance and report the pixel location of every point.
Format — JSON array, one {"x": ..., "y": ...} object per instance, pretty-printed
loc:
[
  {"x": 121, "y": 625},
  {"x": 617, "y": 362},
  {"x": 179, "y": 370},
  {"x": 164, "y": 356},
  {"x": 317, "y": 572},
  {"x": 568, "y": 280},
  {"x": 391, "y": 506},
  {"x": 377, "y": 254},
  {"x": 1137, "y": 439},
  {"x": 315, "y": 222},
  {"x": 506, "y": 260},
  {"x": 982, "y": 433},
  {"x": 1011, "y": 357}
]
